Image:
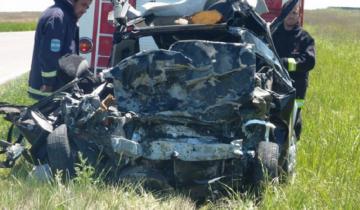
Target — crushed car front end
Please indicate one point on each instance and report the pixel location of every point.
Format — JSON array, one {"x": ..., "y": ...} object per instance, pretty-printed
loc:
[{"x": 210, "y": 109}]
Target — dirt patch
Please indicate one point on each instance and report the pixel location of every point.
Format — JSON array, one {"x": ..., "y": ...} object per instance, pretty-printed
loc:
[{"x": 19, "y": 17}]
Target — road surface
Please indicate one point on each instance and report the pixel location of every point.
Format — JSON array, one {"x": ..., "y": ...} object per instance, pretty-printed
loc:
[{"x": 15, "y": 54}]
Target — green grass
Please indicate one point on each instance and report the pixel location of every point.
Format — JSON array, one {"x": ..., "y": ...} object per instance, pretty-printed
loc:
[
  {"x": 334, "y": 24},
  {"x": 33, "y": 195},
  {"x": 19, "y": 191},
  {"x": 328, "y": 162},
  {"x": 12, "y": 27},
  {"x": 13, "y": 92},
  {"x": 328, "y": 172},
  {"x": 18, "y": 21},
  {"x": 328, "y": 158}
]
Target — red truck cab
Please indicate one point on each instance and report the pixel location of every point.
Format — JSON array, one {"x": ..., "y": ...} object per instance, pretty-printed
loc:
[
  {"x": 96, "y": 33},
  {"x": 274, "y": 7}
]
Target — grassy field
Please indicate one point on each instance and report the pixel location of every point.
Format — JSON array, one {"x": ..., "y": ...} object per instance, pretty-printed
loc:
[
  {"x": 18, "y": 21},
  {"x": 328, "y": 172}
]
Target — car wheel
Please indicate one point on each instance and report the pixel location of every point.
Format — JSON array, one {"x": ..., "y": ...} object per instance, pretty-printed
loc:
[
  {"x": 263, "y": 169},
  {"x": 268, "y": 154},
  {"x": 59, "y": 152},
  {"x": 266, "y": 166},
  {"x": 290, "y": 161}
]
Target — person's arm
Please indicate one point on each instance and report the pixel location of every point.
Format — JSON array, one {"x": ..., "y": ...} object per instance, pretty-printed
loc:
[
  {"x": 51, "y": 46},
  {"x": 304, "y": 60}
]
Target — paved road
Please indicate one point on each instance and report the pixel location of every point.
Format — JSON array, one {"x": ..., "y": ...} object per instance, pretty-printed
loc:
[{"x": 15, "y": 54}]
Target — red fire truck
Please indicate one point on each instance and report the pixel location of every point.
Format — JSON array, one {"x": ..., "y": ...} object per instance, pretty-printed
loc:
[{"x": 96, "y": 32}]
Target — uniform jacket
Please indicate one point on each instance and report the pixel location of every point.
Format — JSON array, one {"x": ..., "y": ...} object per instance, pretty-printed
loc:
[
  {"x": 56, "y": 34},
  {"x": 296, "y": 49}
]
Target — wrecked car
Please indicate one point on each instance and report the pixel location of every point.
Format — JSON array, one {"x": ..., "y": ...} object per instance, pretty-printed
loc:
[{"x": 211, "y": 107}]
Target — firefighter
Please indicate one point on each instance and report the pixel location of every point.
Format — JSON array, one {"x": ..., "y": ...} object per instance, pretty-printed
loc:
[
  {"x": 296, "y": 49},
  {"x": 57, "y": 34}
]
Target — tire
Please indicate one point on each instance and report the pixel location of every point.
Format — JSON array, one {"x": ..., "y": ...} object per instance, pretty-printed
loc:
[
  {"x": 290, "y": 159},
  {"x": 268, "y": 154},
  {"x": 266, "y": 167},
  {"x": 59, "y": 152}
]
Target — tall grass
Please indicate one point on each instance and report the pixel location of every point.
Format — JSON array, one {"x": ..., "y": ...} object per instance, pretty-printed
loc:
[
  {"x": 19, "y": 191},
  {"x": 328, "y": 174},
  {"x": 328, "y": 169}
]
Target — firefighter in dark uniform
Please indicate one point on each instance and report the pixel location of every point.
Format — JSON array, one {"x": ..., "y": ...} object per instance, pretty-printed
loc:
[
  {"x": 57, "y": 34},
  {"x": 296, "y": 49}
]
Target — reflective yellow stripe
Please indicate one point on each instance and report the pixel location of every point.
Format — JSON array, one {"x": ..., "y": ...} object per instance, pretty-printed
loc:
[
  {"x": 49, "y": 74},
  {"x": 38, "y": 92},
  {"x": 300, "y": 102},
  {"x": 291, "y": 64}
]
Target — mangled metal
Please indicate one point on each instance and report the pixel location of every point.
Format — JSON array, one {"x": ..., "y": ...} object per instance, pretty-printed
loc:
[
  {"x": 186, "y": 116},
  {"x": 165, "y": 81}
]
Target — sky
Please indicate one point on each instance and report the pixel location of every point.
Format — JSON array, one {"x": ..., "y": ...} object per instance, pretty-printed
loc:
[{"x": 40, "y": 5}]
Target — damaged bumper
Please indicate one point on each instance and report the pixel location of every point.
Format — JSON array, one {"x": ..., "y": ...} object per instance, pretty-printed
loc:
[{"x": 167, "y": 149}]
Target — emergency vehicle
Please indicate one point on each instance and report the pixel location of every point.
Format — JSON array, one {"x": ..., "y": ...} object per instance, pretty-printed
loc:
[{"x": 96, "y": 31}]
